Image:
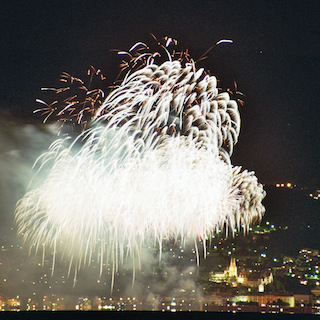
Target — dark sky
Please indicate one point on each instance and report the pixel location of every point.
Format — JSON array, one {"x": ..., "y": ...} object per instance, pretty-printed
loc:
[{"x": 274, "y": 60}]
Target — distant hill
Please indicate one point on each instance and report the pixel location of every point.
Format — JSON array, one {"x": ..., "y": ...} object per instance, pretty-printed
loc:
[{"x": 297, "y": 210}]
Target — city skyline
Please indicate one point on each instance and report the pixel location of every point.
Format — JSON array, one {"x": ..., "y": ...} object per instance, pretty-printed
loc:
[{"x": 256, "y": 256}]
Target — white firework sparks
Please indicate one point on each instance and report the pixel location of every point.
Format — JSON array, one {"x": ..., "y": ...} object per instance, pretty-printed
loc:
[{"x": 154, "y": 166}]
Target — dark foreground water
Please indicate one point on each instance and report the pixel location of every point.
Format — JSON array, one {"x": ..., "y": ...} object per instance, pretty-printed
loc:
[{"x": 97, "y": 315}]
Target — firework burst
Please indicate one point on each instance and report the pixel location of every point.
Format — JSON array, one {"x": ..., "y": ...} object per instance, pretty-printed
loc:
[{"x": 153, "y": 166}]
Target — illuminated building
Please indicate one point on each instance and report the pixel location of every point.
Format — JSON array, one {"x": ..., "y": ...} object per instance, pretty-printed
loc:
[
  {"x": 258, "y": 280},
  {"x": 253, "y": 280},
  {"x": 176, "y": 304},
  {"x": 32, "y": 305},
  {"x": 53, "y": 303},
  {"x": 2, "y": 304},
  {"x": 232, "y": 271},
  {"x": 230, "y": 274},
  {"x": 105, "y": 304},
  {"x": 13, "y": 304},
  {"x": 84, "y": 304},
  {"x": 263, "y": 299}
]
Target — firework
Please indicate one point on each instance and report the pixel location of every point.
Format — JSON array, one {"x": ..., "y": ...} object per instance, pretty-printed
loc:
[{"x": 154, "y": 166}]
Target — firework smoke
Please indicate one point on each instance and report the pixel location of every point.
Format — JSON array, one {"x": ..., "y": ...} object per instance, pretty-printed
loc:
[{"x": 154, "y": 166}]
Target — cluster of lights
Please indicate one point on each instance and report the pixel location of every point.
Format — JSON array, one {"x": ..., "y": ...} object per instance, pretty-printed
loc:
[
  {"x": 121, "y": 303},
  {"x": 315, "y": 195},
  {"x": 308, "y": 256},
  {"x": 285, "y": 185},
  {"x": 10, "y": 304}
]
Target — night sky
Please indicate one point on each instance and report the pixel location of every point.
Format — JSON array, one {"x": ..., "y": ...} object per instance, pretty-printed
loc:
[{"x": 274, "y": 60}]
